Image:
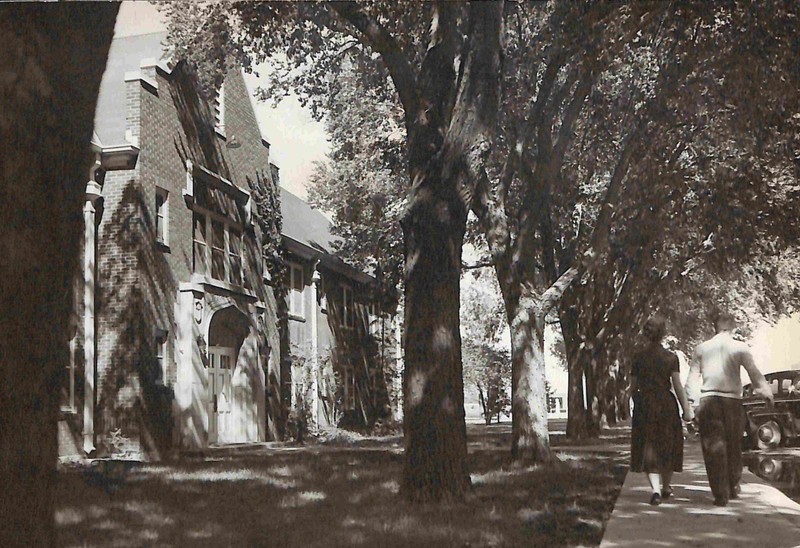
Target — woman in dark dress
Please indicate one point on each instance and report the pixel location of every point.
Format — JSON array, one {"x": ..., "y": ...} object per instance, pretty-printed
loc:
[{"x": 657, "y": 434}]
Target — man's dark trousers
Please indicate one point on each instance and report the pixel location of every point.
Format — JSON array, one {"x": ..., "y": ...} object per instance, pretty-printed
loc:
[{"x": 721, "y": 425}]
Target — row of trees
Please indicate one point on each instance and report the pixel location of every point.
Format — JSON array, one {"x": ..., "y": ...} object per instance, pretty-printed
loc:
[
  {"x": 615, "y": 157},
  {"x": 618, "y": 158}
]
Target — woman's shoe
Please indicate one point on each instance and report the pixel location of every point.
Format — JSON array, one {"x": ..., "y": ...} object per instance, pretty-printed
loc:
[
  {"x": 655, "y": 500},
  {"x": 666, "y": 492}
]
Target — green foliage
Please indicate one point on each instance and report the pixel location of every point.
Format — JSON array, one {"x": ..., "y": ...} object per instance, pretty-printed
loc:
[
  {"x": 653, "y": 145},
  {"x": 486, "y": 359},
  {"x": 300, "y": 418},
  {"x": 269, "y": 219},
  {"x": 702, "y": 217},
  {"x": 365, "y": 180},
  {"x": 306, "y": 43}
]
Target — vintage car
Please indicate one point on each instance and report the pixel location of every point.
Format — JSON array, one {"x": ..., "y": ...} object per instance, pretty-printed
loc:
[{"x": 768, "y": 426}]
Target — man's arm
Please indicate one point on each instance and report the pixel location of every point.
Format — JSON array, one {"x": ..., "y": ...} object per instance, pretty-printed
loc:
[
  {"x": 692, "y": 386},
  {"x": 760, "y": 385}
]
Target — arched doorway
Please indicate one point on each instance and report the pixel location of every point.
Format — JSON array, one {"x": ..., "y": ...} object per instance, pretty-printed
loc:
[{"x": 226, "y": 333}]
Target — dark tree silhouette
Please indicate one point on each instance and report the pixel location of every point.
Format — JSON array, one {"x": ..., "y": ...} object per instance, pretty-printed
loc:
[{"x": 51, "y": 63}]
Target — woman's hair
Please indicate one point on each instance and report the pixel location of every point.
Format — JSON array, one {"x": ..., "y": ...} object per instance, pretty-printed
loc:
[{"x": 655, "y": 328}]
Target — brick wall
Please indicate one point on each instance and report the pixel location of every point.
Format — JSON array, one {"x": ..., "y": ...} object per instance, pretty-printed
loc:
[{"x": 138, "y": 279}]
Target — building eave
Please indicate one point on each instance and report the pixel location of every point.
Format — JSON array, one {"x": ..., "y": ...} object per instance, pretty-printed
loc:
[
  {"x": 116, "y": 157},
  {"x": 326, "y": 260}
]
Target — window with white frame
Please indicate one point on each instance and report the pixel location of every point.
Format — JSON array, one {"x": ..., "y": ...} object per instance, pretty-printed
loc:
[
  {"x": 219, "y": 110},
  {"x": 218, "y": 246},
  {"x": 235, "y": 253},
  {"x": 373, "y": 319},
  {"x": 162, "y": 354},
  {"x": 296, "y": 290},
  {"x": 218, "y": 254},
  {"x": 555, "y": 404},
  {"x": 348, "y": 312},
  {"x": 162, "y": 216}
]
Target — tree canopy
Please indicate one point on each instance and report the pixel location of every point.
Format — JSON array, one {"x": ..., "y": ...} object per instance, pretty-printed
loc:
[{"x": 643, "y": 151}]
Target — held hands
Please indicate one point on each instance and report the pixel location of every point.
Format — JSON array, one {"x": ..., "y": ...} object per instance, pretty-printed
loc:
[{"x": 688, "y": 415}]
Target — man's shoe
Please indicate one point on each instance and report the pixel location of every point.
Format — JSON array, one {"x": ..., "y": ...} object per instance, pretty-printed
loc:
[
  {"x": 720, "y": 502},
  {"x": 655, "y": 500},
  {"x": 736, "y": 491},
  {"x": 666, "y": 492}
]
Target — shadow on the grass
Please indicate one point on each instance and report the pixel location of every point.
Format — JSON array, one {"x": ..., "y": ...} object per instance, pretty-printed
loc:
[{"x": 338, "y": 496}]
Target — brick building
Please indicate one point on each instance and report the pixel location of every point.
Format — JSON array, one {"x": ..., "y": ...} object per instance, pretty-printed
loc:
[
  {"x": 177, "y": 339},
  {"x": 341, "y": 344}
]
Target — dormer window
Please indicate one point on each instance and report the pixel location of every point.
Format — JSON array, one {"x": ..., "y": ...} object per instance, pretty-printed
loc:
[{"x": 219, "y": 110}]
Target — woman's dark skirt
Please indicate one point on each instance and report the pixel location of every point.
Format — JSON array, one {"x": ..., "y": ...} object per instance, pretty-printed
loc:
[{"x": 656, "y": 433}]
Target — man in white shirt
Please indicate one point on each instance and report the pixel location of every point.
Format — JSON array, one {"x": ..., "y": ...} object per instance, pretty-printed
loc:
[{"x": 720, "y": 417}]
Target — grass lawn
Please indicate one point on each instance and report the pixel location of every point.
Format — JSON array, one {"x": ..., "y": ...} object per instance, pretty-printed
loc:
[{"x": 343, "y": 493}]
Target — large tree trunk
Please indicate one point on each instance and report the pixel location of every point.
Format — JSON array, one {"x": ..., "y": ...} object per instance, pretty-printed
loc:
[
  {"x": 577, "y": 415},
  {"x": 443, "y": 175},
  {"x": 433, "y": 391},
  {"x": 595, "y": 383},
  {"x": 623, "y": 395},
  {"x": 52, "y": 62},
  {"x": 530, "y": 435}
]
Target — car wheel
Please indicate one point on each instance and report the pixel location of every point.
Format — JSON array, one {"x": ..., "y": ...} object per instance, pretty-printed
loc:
[
  {"x": 769, "y": 435},
  {"x": 770, "y": 469}
]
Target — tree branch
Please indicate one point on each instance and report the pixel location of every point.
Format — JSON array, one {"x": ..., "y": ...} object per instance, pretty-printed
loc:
[
  {"x": 494, "y": 222},
  {"x": 554, "y": 293},
  {"x": 471, "y": 133},
  {"x": 476, "y": 266},
  {"x": 571, "y": 115},
  {"x": 380, "y": 40},
  {"x": 437, "y": 79}
]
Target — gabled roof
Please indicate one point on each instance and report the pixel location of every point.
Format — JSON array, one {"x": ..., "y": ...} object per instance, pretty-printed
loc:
[
  {"x": 308, "y": 227},
  {"x": 304, "y": 224},
  {"x": 125, "y": 55}
]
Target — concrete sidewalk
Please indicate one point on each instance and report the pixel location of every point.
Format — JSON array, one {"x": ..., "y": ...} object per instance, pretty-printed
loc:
[{"x": 762, "y": 516}]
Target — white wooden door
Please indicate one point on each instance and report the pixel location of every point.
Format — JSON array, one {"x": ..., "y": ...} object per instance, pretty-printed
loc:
[{"x": 221, "y": 361}]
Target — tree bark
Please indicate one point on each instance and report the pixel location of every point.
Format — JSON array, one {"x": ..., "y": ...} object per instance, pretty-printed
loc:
[
  {"x": 577, "y": 427},
  {"x": 530, "y": 435},
  {"x": 52, "y": 62},
  {"x": 482, "y": 400},
  {"x": 443, "y": 181},
  {"x": 433, "y": 391}
]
